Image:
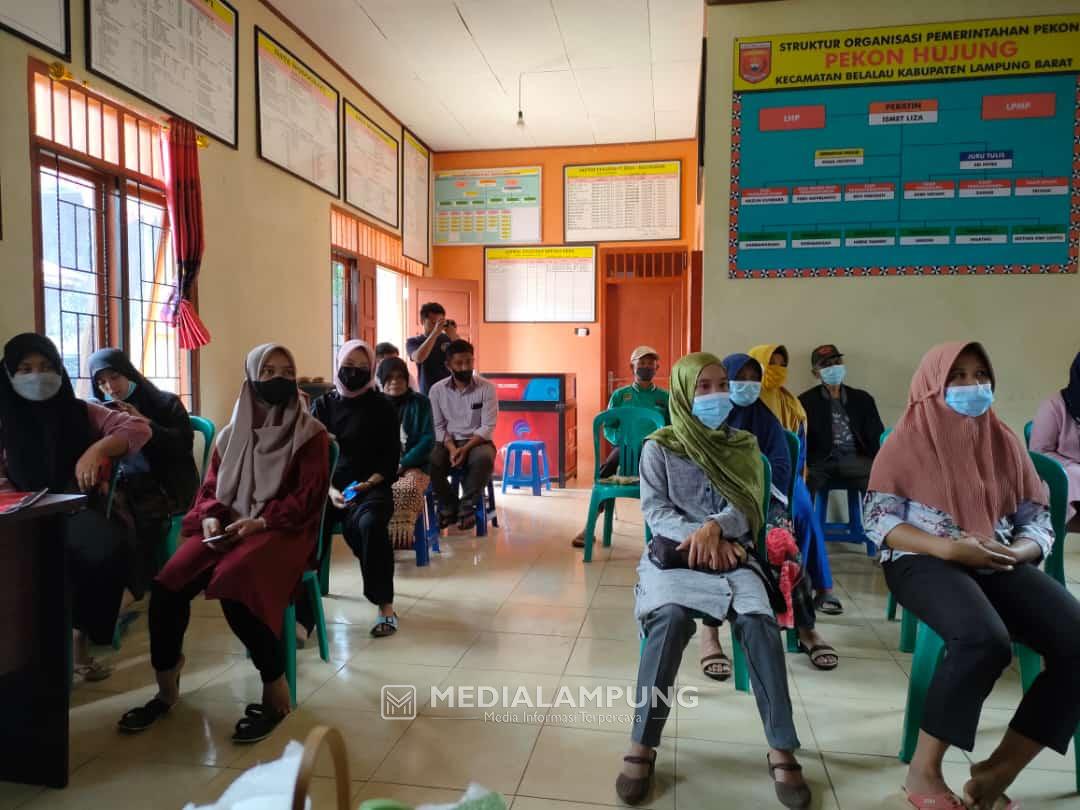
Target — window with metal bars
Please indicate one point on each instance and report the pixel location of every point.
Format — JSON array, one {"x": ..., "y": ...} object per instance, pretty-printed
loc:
[{"x": 105, "y": 265}]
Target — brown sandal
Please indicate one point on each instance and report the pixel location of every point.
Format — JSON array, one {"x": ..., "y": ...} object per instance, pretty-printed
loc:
[
  {"x": 794, "y": 796},
  {"x": 716, "y": 659},
  {"x": 634, "y": 791}
]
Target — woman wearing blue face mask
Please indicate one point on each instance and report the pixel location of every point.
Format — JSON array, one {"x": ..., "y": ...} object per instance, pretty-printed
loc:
[
  {"x": 701, "y": 486},
  {"x": 961, "y": 517},
  {"x": 753, "y": 416},
  {"x": 162, "y": 479},
  {"x": 50, "y": 439}
]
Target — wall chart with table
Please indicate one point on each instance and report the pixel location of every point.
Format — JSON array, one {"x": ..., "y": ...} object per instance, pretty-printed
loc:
[{"x": 951, "y": 148}]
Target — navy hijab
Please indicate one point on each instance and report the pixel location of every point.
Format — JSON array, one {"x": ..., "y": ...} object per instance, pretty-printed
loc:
[
  {"x": 1071, "y": 393},
  {"x": 761, "y": 421}
]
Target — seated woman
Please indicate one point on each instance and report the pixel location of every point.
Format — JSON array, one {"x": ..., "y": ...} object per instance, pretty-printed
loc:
[
  {"x": 417, "y": 439},
  {"x": 366, "y": 427},
  {"x": 750, "y": 414},
  {"x": 247, "y": 540},
  {"x": 50, "y": 439},
  {"x": 1056, "y": 433},
  {"x": 961, "y": 517},
  {"x": 701, "y": 488},
  {"x": 162, "y": 479},
  {"x": 773, "y": 358}
]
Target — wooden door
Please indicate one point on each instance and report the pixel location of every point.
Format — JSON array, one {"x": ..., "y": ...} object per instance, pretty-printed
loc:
[
  {"x": 367, "y": 309},
  {"x": 460, "y": 299},
  {"x": 646, "y": 295}
]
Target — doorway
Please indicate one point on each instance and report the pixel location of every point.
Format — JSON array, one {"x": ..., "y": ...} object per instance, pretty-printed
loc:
[{"x": 646, "y": 294}]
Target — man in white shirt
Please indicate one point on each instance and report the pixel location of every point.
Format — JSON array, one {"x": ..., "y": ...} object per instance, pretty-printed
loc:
[{"x": 465, "y": 408}]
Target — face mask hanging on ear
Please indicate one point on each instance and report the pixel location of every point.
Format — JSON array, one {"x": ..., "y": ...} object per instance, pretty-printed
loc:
[
  {"x": 712, "y": 409},
  {"x": 131, "y": 390},
  {"x": 970, "y": 400},
  {"x": 37, "y": 386}
]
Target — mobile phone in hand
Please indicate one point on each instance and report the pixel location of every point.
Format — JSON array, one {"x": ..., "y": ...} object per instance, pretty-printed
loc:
[{"x": 217, "y": 538}]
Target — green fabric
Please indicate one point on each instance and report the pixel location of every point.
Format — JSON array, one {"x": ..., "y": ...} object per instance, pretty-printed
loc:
[
  {"x": 419, "y": 429},
  {"x": 631, "y": 396},
  {"x": 730, "y": 458}
]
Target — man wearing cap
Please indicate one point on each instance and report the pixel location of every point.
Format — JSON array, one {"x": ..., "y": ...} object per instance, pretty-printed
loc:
[
  {"x": 642, "y": 393},
  {"x": 843, "y": 427}
]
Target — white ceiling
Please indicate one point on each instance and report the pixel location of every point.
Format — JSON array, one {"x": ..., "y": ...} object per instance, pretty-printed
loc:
[{"x": 592, "y": 71}]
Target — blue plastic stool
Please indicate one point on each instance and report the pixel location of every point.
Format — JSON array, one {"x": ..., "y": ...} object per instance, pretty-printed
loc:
[
  {"x": 850, "y": 532},
  {"x": 514, "y": 452}
]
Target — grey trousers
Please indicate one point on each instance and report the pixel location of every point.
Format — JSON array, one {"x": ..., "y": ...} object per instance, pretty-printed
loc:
[
  {"x": 478, "y": 468},
  {"x": 670, "y": 628}
]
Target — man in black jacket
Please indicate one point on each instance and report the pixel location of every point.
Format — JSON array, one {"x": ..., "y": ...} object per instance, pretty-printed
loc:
[{"x": 843, "y": 426}]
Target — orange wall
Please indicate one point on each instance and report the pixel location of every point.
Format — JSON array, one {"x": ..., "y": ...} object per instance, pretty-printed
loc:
[{"x": 554, "y": 347}]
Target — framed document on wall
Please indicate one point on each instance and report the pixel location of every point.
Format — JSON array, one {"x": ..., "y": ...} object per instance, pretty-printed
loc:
[
  {"x": 372, "y": 176},
  {"x": 416, "y": 232},
  {"x": 179, "y": 55},
  {"x": 296, "y": 113},
  {"x": 622, "y": 202},
  {"x": 45, "y": 23},
  {"x": 555, "y": 284}
]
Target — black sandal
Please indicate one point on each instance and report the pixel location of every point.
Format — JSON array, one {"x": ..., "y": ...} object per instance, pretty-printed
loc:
[
  {"x": 816, "y": 652},
  {"x": 143, "y": 717},
  {"x": 722, "y": 660},
  {"x": 631, "y": 790},
  {"x": 796, "y": 797},
  {"x": 828, "y": 604},
  {"x": 257, "y": 724},
  {"x": 467, "y": 522}
]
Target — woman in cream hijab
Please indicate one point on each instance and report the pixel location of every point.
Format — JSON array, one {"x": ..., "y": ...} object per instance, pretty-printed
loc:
[{"x": 259, "y": 508}]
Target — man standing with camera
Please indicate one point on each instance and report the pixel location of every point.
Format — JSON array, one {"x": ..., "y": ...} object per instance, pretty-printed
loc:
[{"x": 428, "y": 350}]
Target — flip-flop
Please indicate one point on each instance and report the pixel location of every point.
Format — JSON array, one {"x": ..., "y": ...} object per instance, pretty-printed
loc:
[
  {"x": 723, "y": 674},
  {"x": 828, "y": 604},
  {"x": 934, "y": 801},
  {"x": 816, "y": 652},
  {"x": 796, "y": 797}
]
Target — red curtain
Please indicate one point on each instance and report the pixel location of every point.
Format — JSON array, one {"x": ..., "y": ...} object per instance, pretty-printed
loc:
[{"x": 183, "y": 195}]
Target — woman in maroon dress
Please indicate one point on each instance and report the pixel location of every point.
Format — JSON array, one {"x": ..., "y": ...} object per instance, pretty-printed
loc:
[{"x": 262, "y": 497}]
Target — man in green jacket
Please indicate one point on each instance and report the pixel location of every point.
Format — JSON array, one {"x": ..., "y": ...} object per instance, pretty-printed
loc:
[{"x": 642, "y": 393}]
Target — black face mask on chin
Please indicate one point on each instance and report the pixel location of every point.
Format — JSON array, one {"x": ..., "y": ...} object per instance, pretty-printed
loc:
[
  {"x": 463, "y": 376},
  {"x": 276, "y": 390},
  {"x": 354, "y": 378}
]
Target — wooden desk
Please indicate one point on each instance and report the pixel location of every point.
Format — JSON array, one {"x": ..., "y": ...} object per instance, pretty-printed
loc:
[{"x": 35, "y": 643}]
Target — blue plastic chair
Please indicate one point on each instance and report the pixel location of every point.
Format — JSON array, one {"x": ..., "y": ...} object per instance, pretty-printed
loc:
[
  {"x": 310, "y": 584},
  {"x": 739, "y": 665},
  {"x": 930, "y": 647},
  {"x": 538, "y": 475},
  {"x": 850, "y": 532},
  {"x": 485, "y": 506},
  {"x": 633, "y": 426}
]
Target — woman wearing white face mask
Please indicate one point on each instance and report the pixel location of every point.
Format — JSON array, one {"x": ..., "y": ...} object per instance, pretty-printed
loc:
[
  {"x": 50, "y": 439},
  {"x": 961, "y": 516},
  {"x": 701, "y": 488}
]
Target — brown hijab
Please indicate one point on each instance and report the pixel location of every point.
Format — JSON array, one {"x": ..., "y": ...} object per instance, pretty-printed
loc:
[
  {"x": 256, "y": 457},
  {"x": 972, "y": 468}
]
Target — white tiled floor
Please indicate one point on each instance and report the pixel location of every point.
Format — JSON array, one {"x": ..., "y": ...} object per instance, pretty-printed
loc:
[{"x": 520, "y": 609}]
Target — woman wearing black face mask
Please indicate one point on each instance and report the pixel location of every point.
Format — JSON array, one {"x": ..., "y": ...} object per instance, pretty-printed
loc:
[
  {"x": 366, "y": 427},
  {"x": 50, "y": 439}
]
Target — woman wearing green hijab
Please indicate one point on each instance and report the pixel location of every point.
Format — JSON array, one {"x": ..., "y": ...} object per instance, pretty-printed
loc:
[{"x": 701, "y": 488}]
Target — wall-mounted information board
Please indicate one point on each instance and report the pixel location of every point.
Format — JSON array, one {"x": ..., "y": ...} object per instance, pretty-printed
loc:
[
  {"x": 540, "y": 284},
  {"x": 371, "y": 167},
  {"x": 415, "y": 241},
  {"x": 179, "y": 55},
  {"x": 622, "y": 202},
  {"x": 487, "y": 206},
  {"x": 297, "y": 115},
  {"x": 44, "y": 23}
]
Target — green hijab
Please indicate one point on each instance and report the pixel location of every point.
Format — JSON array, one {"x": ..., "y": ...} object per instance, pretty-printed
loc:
[{"x": 730, "y": 458}]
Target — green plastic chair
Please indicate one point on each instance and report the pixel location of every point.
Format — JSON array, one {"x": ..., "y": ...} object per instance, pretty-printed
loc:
[
  {"x": 202, "y": 425},
  {"x": 908, "y": 624},
  {"x": 739, "y": 666},
  {"x": 1027, "y": 434},
  {"x": 310, "y": 584},
  {"x": 633, "y": 425},
  {"x": 930, "y": 647}
]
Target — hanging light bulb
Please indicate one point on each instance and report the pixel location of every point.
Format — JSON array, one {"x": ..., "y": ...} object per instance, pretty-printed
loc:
[{"x": 521, "y": 114}]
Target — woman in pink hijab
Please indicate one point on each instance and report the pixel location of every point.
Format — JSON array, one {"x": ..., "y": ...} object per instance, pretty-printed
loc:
[
  {"x": 365, "y": 425},
  {"x": 247, "y": 540},
  {"x": 962, "y": 520}
]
